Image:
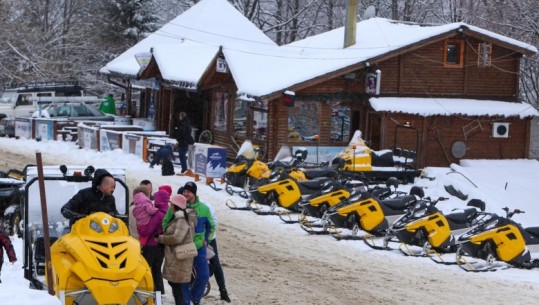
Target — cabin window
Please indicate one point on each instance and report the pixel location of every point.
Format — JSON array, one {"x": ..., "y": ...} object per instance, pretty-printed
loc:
[
  {"x": 220, "y": 110},
  {"x": 260, "y": 121},
  {"x": 454, "y": 54},
  {"x": 340, "y": 121},
  {"x": 240, "y": 117},
  {"x": 304, "y": 121}
]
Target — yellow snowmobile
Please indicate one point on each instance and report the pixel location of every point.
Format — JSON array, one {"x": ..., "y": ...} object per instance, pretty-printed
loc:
[
  {"x": 334, "y": 194},
  {"x": 377, "y": 166},
  {"x": 99, "y": 260},
  {"x": 94, "y": 263},
  {"x": 246, "y": 170},
  {"x": 371, "y": 214},
  {"x": 425, "y": 231},
  {"x": 284, "y": 165},
  {"x": 500, "y": 239}
]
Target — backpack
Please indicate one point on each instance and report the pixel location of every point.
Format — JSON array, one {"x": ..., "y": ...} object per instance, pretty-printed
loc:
[{"x": 167, "y": 169}]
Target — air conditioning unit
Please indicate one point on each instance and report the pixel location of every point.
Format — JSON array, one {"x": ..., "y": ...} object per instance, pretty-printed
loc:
[{"x": 500, "y": 130}]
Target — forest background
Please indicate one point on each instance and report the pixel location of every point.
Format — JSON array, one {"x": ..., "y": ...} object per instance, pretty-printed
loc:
[{"x": 56, "y": 40}]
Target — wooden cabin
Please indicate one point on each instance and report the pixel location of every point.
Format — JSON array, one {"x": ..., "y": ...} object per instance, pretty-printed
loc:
[
  {"x": 377, "y": 94},
  {"x": 334, "y": 106}
]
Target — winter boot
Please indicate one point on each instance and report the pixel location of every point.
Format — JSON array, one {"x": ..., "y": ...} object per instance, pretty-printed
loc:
[{"x": 224, "y": 295}]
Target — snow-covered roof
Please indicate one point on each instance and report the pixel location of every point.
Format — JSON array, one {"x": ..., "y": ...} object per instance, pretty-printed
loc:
[
  {"x": 208, "y": 24},
  {"x": 186, "y": 46},
  {"x": 175, "y": 64},
  {"x": 451, "y": 106},
  {"x": 322, "y": 54}
]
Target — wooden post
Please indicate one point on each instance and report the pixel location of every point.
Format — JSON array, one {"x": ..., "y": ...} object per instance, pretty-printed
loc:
[{"x": 45, "y": 220}]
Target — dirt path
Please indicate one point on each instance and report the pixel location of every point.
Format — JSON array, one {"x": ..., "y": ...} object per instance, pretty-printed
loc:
[{"x": 268, "y": 262}]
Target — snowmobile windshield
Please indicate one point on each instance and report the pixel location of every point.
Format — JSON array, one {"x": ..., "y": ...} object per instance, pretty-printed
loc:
[
  {"x": 357, "y": 139},
  {"x": 59, "y": 191},
  {"x": 246, "y": 150},
  {"x": 284, "y": 154}
]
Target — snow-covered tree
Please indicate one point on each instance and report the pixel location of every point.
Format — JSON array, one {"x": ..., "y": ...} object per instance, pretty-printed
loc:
[{"x": 129, "y": 19}]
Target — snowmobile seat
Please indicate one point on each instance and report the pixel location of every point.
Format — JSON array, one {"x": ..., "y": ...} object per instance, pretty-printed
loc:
[
  {"x": 382, "y": 158},
  {"x": 314, "y": 184},
  {"x": 404, "y": 153},
  {"x": 399, "y": 203},
  {"x": 462, "y": 216},
  {"x": 534, "y": 231},
  {"x": 320, "y": 172},
  {"x": 380, "y": 192}
]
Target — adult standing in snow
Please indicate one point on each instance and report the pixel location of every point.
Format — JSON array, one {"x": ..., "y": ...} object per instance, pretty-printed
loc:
[
  {"x": 205, "y": 229},
  {"x": 97, "y": 198},
  {"x": 152, "y": 251},
  {"x": 108, "y": 105},
  {"x": 5, "y": 243},
  {"x": 179, "y": 231},
  {"x": 182, "y": 133},
  {"x": 148, "y": 184},
  {"x": 215, "y": 263}
]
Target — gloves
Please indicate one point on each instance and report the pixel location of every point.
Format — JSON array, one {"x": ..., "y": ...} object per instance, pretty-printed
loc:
[{"x": 71, "y": 215}]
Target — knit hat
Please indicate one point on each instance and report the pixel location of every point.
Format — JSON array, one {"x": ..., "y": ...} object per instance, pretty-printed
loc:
[
  {"x": 191, "y": 187},
  {"x": 166, "y": 188},
  {"x": 179, "y": 200},
  {"x": 180, "y": 190}
]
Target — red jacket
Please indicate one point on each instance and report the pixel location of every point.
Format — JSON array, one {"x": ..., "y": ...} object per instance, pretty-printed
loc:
[{"x": 5, "y": 242}]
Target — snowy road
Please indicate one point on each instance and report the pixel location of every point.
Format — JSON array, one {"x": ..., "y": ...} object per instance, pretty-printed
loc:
[{"x": 269, "y": 262}]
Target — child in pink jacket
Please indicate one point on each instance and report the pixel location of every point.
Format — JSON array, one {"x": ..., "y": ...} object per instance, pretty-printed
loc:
[{"x": 143, "y": 210}]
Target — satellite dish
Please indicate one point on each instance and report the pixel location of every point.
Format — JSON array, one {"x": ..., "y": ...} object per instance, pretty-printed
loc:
[
  {"x": 369, "y": 12},
  {"x": 458, "y": 150}
]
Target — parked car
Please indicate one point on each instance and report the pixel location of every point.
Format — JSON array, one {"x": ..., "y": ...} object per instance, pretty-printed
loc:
[
  {"x": 67, "y": 110},
  {"x": 73, "y": 111}
]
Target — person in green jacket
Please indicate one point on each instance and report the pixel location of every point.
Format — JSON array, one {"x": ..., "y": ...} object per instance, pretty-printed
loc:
[
  {"x": 204, "y": 232},
  {"x": 108, "y": 105}
]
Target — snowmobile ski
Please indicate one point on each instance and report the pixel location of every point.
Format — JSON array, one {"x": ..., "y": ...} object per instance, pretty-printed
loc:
[
  {"x": 370, "y": 240},
  {"x": 232, "y": 205},
  {"x": 231, "y": 191},
  {"x": 286, "y": 217},
  {"x": 214, "y": 186},
  {"x": 478, "y": 265},
  {"x": 438, "y": 258},
  {"x": 317, "y": 229},
  {"x": 339, "y": 236},
  {"x": 410, "y": 250}
]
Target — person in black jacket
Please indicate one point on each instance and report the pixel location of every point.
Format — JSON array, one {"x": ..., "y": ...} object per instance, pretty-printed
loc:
[
  {"x": 97, "y": 198},
  {"x": 182, "y": 133}
]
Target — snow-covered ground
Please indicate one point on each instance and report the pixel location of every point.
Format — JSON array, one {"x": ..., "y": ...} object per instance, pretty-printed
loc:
[{"x": 498, "y": 183}]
